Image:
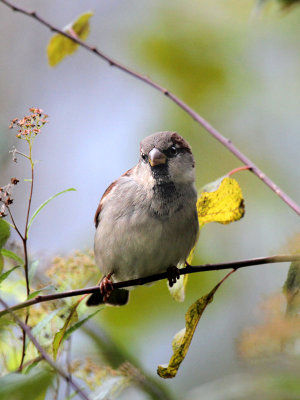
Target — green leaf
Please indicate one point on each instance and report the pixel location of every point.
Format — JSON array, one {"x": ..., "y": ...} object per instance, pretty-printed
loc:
[
  {"x": 1, "y": 263},
  {"x": 31, "y": 386},
  {"x": 44, "y": 204},
  {"x": 7, "y": 273},
  {"x": 44, "y": 322},
  {"x": 4, "y": 232},
  {"x": 37, "y": 292},
  {"x": 78, "y": 324},
  {"x": 32, "y": 270},
  {"x": 288, "y": 3},
  {"x": 291, "y": 289},
  {"x": 59, "y": 46},
  {"x": 60, "y": 335},
  {"x": 32, "y": 366},
  {"x": 12, "y": 255}
]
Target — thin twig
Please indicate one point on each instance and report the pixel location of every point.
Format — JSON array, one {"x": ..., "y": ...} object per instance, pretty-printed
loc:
[
  {"x": 30, "y": 362},
  {"x": 26, "y": 265},
  {"x": 45, "y": 356},
  {"x": 14, "y": 224},
  {"x": 156, "y": 277},
  {"x": 198, "y": 118},
  {"x": 23, "y": 239},
  {"x": 69, "y": 369}
]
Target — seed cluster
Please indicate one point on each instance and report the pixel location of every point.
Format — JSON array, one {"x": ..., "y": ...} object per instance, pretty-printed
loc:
[
  {"x": 30, "y": 125},
  {"x": 6, "y": 196}
]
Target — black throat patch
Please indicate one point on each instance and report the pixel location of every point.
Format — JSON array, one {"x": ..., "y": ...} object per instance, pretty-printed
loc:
[{"x": 166, "y": 196}]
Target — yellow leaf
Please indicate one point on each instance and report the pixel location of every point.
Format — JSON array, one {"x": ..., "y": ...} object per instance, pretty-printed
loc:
[
  {"x": 59, "y": 46},
  {"x": 60, "y": 335},
  {"x": 221, "y": 201},
  {"x": 183, "y": 338},
  {"x": 177, "y": 291}
]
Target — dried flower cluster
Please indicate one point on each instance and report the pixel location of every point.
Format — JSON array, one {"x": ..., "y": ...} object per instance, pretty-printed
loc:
[
  {"x": 96, "y": 375},
  {"x": 30, "y": 125},
  {"x": 277, "y": 334},
  {"x": 6, "y": 196},
  {"x": 68, "y": 272}
]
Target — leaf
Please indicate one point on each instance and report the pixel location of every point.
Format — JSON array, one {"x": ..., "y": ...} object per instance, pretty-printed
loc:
[
  {"x": 7, "y": 273},
  {"x": 4, "y": 232},
  {"x": 1, "y": 263},
  {"x": 59, "y": 46},
  {"x": 12, "y": 255},
  {"x": 37, "y": 292},
  {"x": 291, "y": 289},
  {"x": 78, "y": 324},
  {"x": 183, "y": 338},
  {"x": 110, "y": 388},
  {"x": 60, "y": 335},
  {"x": 44, "y": 204},
  {"x": 177, "y": 291},
  {"x": 221, "y": 201},
  {"x": 31, "y": 386},
  {"x": 44, "y": 322},
  {"x": 288, "y": 3},
  {"x": 33, "y": 365},
  {"x": 32, "y": 270}
]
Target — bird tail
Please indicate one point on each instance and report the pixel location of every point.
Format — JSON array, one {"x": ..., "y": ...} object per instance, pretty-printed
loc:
[{"x": 118, "y": 297}]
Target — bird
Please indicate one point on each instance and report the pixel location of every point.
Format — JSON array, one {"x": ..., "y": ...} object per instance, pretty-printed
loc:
[{"x": 146, "y": 221}]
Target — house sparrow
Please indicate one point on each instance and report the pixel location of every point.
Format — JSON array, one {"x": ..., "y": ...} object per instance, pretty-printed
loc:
[{"x": 146, "y": 221}]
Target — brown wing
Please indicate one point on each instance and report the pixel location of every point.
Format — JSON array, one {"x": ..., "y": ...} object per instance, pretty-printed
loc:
[
  {"x": 110, "y": 187},
  {"x": 99, "y": 208}
]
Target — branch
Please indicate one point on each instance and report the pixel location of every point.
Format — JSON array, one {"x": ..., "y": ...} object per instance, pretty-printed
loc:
[
  {"x": 156, "y": 277},
  {"x": 45, "y": 356},
  {"x": 198, "y": 118}
]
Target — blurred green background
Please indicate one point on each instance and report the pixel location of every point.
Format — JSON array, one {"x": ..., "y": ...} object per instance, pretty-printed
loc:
[{"x": 237, "y": 66}]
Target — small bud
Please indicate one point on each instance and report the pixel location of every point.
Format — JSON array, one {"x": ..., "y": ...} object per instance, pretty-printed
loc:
[
  {"x": 14, "y": 181},
  {"x": 8, "y": 201}
]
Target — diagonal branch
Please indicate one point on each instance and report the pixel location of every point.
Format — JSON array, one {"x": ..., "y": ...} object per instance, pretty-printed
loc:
[
  {"x": 156, "y": 277},
  {"x": 45, "y": 356},
  {"x": 197, "y": 117}
]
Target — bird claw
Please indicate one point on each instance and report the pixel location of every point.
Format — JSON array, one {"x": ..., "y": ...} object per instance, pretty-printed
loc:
[
  {"x": 106, "y": 287},
  {"x": 173, "y": 274}
]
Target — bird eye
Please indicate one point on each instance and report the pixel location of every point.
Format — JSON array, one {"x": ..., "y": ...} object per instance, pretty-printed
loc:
[
  {"x": 172, "y": 151},
  {"x": 144, "y": 157}
]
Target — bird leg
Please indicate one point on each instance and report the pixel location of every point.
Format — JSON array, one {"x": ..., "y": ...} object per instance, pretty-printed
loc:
[
  {"x": 106, "y": 286},
  {"x": 173, "y": 274}
]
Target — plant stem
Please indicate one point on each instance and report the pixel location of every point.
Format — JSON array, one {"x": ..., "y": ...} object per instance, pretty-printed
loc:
[{"x": 24, "y": 241}]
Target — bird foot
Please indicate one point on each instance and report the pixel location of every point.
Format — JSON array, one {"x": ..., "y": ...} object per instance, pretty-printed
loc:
[
  {"x": 173, "y": 274},
  {"x": 106, "y": 287}
]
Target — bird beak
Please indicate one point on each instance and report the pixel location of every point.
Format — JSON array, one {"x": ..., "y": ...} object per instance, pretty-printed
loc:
[{"x": 156, "y": 157}]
